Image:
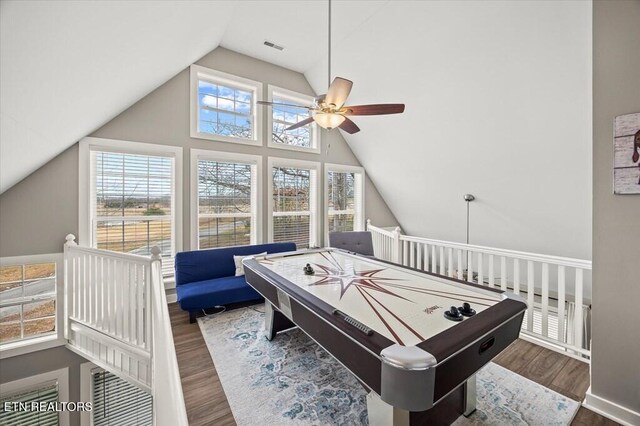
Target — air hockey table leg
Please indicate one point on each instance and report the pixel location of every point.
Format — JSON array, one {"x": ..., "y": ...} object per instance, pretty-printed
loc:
[
  {"x": 274, "y": 321},
  {"x": 269, "y": 332},
  {"x": 470, "y": 396},
  {"x": 382, "y": 414}
]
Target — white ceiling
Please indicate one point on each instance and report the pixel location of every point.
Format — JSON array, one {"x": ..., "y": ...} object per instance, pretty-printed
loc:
[
  {"x": 498, "y": 94},
  {"x": 67, "y": 67}
]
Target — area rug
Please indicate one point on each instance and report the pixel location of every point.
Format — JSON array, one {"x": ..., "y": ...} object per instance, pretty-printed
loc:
[{"x": 292, "y": 381}]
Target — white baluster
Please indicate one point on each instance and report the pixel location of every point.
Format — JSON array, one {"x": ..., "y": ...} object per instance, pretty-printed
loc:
[
  {"x": 545, "y": 300},
  {"x": 405, "y": 253},
  {"x": 412, "y": 255},
  {"x": 578, "y": 314},
  {"x": 460, "y": 267},
  {"x": 480, "y": 270},
  {"x": 450, "y": 261},
  {"x": 530, "y": 294},
  {"x": 442, "y": 266},
  {"x": 516, "y": 276},
  {"x": 434, "y": 263},
  {"x": 561, "y": 303},
  {"x": 492, "y": 279}
]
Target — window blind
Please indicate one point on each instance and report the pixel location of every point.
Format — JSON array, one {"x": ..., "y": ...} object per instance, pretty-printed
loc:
[
  {"x": 132, "y": 204},
  {"x": 47, "y": 393},
  {"x": 226, "y": 204},
  {"x": 293, "y": 207},
  {"x": 119, "y": 403}
]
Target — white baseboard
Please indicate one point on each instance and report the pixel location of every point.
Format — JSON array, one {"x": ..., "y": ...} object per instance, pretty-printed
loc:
[
  {"x": 172, "y": 298},
  {"x": 610, "y": 410}
]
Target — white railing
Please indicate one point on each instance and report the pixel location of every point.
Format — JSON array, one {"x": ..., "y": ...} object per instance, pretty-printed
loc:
[
  {"x": 553, "y": 286},
  {"x": 116, "y": 316}
]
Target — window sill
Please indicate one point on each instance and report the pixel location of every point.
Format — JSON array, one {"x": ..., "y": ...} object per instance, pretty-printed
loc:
[
  {"x": 221, "y": 138},
  {"x": 8, "y": 350},
  {"x": 310, "y": 150}
]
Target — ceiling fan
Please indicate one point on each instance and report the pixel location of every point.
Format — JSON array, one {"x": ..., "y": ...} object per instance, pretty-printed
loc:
[{"x": 329, "y": 110}]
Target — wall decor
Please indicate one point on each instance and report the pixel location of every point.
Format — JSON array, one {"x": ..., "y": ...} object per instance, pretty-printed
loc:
[{"x": 626, "y": 163}]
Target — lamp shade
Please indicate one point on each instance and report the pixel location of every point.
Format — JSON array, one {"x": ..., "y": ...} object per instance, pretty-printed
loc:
[{"x": 328, "y": 120}]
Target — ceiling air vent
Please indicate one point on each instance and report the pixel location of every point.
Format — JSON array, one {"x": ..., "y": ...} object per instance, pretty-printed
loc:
[{"x": 275, "y": 46}]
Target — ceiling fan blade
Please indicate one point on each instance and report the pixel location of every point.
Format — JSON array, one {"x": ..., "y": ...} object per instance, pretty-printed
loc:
[
  {"x": 374, "y": 109},
  {"x": 338, "y": 92},
  {"x": 300, "y": 123},
  {"x": 267, "y": 103},
  {"x": 349, "y": 126}
]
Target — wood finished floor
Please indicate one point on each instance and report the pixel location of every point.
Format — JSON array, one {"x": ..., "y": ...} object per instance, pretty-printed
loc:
[{"x": 207, "y": 404}]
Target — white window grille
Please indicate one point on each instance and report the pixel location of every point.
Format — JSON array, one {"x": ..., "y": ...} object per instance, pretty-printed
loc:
[
  {"x": 223, "y": 107},
  {"x": 305, "y": 138},
  {"x": 28, "y": 300}
]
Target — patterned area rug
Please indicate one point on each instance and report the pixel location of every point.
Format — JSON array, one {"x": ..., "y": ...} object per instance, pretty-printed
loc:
[{"x": 292, "y": 381}]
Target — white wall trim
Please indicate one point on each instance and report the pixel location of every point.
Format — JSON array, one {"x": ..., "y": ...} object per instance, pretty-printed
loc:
[
  {"x": 86, "y": 393},
  {"x": 89, "y": 144},
  {"x": 197, "y": 73},
  {"x": 297, "y": 98},
  {"x": 231, "y": 157},
  {"x": 610, "y": 409},
  {"x": 60, "y": 376},
  {"x": 314, "y": 199}
]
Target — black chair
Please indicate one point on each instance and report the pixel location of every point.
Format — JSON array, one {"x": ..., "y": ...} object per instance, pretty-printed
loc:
[{"x": 357, "y": 242}]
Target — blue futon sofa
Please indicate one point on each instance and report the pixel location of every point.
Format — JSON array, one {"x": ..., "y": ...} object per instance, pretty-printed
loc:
[{"x": 206, "y": 278}]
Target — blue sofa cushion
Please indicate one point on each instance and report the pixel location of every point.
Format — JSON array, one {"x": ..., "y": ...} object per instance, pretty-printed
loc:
[
  {"x": 202, "y": 265},
  {"x": 219, "y": 291}
]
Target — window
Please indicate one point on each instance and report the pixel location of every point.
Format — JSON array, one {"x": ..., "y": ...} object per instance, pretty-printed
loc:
[
  {"x": 306, "y": 138},
  {"x": 293, "y": 201},
  {"x": 117, "y": 402},
  {"x": 132, "y": 202},
  {"x": 224, "y": 108},
  {"x": 29, "y": 310},
  {"x": 344, "y": 189},
  {"x": 227, "y": 202},
  {"x": 50, "y": 387}
]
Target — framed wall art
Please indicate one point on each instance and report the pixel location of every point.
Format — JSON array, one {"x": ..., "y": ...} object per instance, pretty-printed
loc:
[{"x": 626, "y": 163}]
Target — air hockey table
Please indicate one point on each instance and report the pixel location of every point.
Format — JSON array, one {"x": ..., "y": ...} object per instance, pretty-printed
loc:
[{"x": 415, "y": 340}]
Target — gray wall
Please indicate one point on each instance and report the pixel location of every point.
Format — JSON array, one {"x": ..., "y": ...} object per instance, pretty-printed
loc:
[
  {"x": 22, "y": 366},
  {"x": 615, "y": 366},
  {"x": 37, "y": 213}
]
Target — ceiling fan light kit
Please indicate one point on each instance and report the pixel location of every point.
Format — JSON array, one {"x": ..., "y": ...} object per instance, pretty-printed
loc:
[
  {"x": 329, "y": 111},
  {"x": 328, "y": 120}
]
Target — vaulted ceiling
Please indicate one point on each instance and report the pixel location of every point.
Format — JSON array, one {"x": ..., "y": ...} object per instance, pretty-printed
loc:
[{"x": 498, "y": 94}]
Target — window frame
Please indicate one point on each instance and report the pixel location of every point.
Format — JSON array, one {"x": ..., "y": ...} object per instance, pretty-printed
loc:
[
  {"x": 61, "y": 376},
  {"x": 359, "y": 215},
  {"x": 228, "y": 157},
  {"x": 87, "y": 185},
  {"x": 33, "y": 344},
  {"x": 198, "y": 73},
  {"x": 314, "y": 196},
  {"x": 295, "y": 97}
]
